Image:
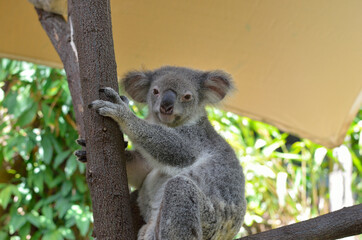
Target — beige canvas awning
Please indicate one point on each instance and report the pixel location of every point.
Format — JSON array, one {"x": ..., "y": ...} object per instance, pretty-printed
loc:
[{"x": 296, "y": 64}]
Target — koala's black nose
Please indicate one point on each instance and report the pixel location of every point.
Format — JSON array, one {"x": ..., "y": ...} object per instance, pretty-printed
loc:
[{"x": 167, "y": 102}]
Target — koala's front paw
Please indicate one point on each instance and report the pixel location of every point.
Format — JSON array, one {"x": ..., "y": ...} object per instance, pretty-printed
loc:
[
  {"x": 115, "y": 108},
  {"x": 105, "y": 108}
]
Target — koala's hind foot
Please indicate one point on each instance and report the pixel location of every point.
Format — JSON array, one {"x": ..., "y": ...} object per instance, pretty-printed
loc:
[{"x": 82, "y": 154}]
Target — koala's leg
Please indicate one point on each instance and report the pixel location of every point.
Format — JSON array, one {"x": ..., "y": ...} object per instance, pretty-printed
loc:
[{"x": 182, "y": 212}]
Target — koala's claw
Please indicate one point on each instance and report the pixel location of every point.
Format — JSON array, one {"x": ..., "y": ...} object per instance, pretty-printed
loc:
[
  {"x": 113, "y": 95},
  {"x": 81, "y": 155},
  {"x": 81, "y": 142}
]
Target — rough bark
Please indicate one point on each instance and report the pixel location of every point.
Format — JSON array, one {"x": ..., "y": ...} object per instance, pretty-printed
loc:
[
  {"x": 342, "y": 223},
  {"x": 106, "y": 173},
  {"x": 59, "y": 34}
]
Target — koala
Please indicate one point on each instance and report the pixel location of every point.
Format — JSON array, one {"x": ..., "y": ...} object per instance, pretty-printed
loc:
[{"x": 190, "y": 182}]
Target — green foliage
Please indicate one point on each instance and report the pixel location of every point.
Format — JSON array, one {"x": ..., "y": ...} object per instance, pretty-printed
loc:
[
  {"x": 285, "y": 183},
  {"x": 45, "y": 195},
  {"x": 43, "y": 192}
]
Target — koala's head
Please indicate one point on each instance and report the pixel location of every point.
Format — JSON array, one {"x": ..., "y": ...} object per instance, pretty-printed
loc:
[{"x": 177, "y": 95}]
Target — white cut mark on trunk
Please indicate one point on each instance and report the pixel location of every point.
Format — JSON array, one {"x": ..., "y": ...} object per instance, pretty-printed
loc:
[{"x": 72, "y": 44}]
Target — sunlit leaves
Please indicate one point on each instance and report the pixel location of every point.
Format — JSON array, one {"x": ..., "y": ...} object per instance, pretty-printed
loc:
[
  {"x": 82, "y": 217},
  {"x": 6, "y": 193},
  {"x": 36, "y": 142},
  {"x": 284, "y": 182}
]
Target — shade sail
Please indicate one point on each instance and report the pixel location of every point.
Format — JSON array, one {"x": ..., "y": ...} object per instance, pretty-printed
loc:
[{"x": 296, "y": 64}]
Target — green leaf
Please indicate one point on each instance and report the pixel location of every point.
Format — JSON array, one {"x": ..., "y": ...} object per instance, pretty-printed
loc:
[
  {"x": 71, "y": 166},
  {"x": 34, "y": 218},
  {"x": 52, "y": 198},
  {"x": 70, "y": 221},
  {"x": 16, "y": 222},
  {"x": 48, "y": 114},
  {"x": 67, "y": 233},
  {"x": 39, "y": 204},
  {"x": 37, "y": 235},
  {"x": 3, "y": 236},
  {"x": 10, "y": 102},
  {"x": 38, "y": 181},
  {"x": 57, "y": 146},
  {"x": 53, "y": 235},
  {"x": 356, "y": 161},
  {"x": 48, "y": 177},
  {"x": 60, "y": 158},
  {"x": 81, "y": 167},
  {"x": 62, "y": 126},
  {"x": 28, "y": 115},
  {"x": 62, "y": 206},
  {"x": 66, "y": 188},
  {"x": 82, "y": 223},
  {"x": 5, "y": 195},
  {"x": 56, "y": 181},
  {"x": 47, "y": 212},
  {"x": 3, "y": 125},
  {"x": 47, "y": 149},
  {"x": 46, "y": 201},
  {"x": 54, "y": 88},
  {"x": 8, "y": 153},
  {"x": 80, "y": 183}
]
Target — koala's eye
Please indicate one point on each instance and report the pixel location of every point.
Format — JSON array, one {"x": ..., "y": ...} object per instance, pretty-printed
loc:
[
  {"x": 155, "y": 91},
  {"x": 187, "y": 97}
]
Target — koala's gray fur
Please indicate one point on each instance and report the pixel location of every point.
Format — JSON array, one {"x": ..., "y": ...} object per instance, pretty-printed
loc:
[{"x": 191, "y": 185}]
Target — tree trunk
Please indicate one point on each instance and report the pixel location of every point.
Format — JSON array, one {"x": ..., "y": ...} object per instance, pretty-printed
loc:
[
  {"x": 106, "y": 172},
  {"x": 60, "y": 35}
]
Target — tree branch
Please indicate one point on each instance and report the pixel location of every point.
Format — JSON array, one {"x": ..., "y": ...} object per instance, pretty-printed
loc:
[
  {"x": 58, "y": 32},
  {"x": 342, "y": 223},
  {"x": 106, "y": 171}
]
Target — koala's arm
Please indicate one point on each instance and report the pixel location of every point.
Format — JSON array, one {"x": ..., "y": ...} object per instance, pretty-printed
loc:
[{"x": 161, "y": 143}]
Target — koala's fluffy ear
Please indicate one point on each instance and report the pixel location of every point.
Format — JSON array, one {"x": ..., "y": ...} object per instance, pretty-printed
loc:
[
  {"x": 215, "y": 86},
  {"x": 136, "y": 84}
]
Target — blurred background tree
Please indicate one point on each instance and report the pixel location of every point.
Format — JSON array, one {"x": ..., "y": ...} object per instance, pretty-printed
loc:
[{"x": 43, "y": 192}]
